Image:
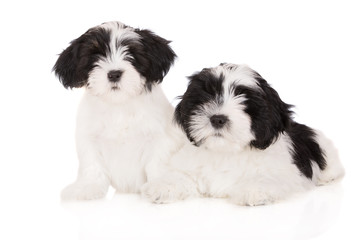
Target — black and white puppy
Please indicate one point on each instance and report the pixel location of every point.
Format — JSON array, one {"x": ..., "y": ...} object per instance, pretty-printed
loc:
[
  {"x": 244, "y": 144},
  {"x": 124, "y": 115}
]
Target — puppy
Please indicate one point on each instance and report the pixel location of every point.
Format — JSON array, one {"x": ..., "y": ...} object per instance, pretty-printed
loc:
[
  {"x": 124, "y": 115},
  {"x": 244, "y": 144}
]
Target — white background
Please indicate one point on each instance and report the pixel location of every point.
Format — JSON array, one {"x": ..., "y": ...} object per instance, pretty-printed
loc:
[{"x": 307, "y": 50}]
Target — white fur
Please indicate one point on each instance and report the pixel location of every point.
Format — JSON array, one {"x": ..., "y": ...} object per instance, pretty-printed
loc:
[
  {"x": 131, "y": 83},
  {"x": 225, "y": 166},
  {"x": 122, "y": 128},
  {"x": 116, "y": 143}
]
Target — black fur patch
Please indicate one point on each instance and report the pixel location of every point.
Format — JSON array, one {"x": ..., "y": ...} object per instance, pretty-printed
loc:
[
  {"x": 151, "y": 56},
  {"x": 75, "y": 63},
  {"x": 270, "y": 116},
  {"x": 203, "y": 87},
  {"x": 305, "y": 149}
]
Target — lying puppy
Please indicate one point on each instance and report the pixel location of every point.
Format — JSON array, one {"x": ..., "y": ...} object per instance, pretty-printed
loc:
[
  {"x": 124, "y": 116},
  {"x": 245, "y": 146}
]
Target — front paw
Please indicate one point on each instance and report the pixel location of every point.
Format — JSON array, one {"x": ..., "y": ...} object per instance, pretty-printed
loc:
[
  {"x": 83, "y": 191},
  {"x": 162, "y": 192},
  {"x": 252, "y": 198}
]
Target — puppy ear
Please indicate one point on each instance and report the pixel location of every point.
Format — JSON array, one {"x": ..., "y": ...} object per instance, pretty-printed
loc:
[
  {"x": 155, "y": 58},
  {"x": 272, "y": 116},
  {"x": 179, "y": 119},
  {"x": 72, "y": 67}
]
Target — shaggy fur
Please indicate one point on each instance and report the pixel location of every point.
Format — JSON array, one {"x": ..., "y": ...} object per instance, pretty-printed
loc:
[
  {"x": 243, "y": 143},
  {"x": 124, "y": 117}
]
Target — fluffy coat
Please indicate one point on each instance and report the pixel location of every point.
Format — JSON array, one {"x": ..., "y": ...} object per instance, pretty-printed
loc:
[{"x": 243, "y": 143}]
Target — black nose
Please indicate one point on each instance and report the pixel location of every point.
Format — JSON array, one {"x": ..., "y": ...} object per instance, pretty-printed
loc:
[
  {"x": 218, "y": 121},
  {"x": 114, "y": 76}
]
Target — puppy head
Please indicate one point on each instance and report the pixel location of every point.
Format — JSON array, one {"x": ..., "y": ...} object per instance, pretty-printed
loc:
[
  {"x": 230, "y": 107},
  {"x": 114, "y": 59}
]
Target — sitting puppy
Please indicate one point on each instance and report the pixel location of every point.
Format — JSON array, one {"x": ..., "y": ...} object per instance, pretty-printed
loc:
[
  {"x": 124, "y": 115},
  {"x": 244, "y": 143}
]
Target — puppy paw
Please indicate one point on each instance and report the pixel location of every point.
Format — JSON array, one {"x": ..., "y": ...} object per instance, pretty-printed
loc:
[
  {"x": 252, "y": 198},
  {"x": 330, "y": 176},
  {"x": 83, "y": 191},
  {"x": 164, "y": 192}
]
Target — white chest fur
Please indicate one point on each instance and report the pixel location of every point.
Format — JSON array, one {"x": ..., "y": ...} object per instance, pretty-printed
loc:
[{"x": 119, "y": 138}]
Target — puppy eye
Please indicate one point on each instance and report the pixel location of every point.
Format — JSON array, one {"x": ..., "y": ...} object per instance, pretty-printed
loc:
[{"x": 238, "y": 91}]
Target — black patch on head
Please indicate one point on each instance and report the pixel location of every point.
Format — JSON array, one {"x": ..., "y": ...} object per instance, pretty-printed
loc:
[
  {"x": 75, "y": 62},
  {"x": 203, "y": 87},
  {"x": 151, "y": 56},
  {"x": 270, "y": 116},
  {"x": 305, "y": 149}
]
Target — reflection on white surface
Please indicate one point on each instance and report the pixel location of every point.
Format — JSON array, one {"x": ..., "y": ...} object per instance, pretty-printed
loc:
[{"x": 130, "y": 217}]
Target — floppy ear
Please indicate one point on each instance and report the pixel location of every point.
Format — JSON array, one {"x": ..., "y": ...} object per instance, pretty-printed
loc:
[
  {"x": 66, "y": 66},
  {"x": 271, "y": 115},
  {"x": 155, "y": 57},
  {"x": 179, "y": 118},
  {"x": 72, "y": 67}
]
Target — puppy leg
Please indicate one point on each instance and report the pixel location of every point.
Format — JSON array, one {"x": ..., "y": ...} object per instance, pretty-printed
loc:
[
  {"x": 249, "y": 193},
  {"x": 171, "y": 187},
  {"x": 252, "y": 197},
  {"x": 92, "y": 181}
]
